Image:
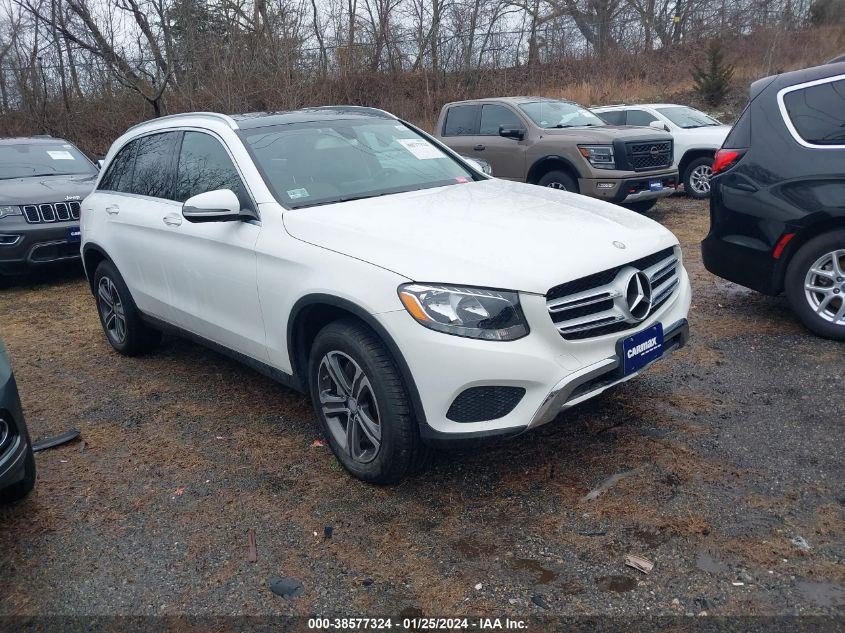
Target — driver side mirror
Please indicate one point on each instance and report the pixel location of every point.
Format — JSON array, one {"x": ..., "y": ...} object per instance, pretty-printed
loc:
[
  {"x": 220, "y": 205},
  {"x": 659, "y": 125},
  {"x": 512, "y": 132}
]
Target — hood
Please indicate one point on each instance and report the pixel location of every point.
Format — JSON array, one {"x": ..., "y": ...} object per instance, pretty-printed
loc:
[
  {"x": 46, "y": 189},
  {"x": 608, "y": 133},
  {"x": 493, "y": 233}
]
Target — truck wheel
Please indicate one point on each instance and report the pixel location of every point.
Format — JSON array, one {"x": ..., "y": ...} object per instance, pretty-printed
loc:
[
  {"x": 697, "y": 177},
  {"x": 559, "y": 180},
  {"x": 120, "y": 319},
  {"x": 21, "y": 489},
  {"x": 363, "y": 405},
  {"x": 815, "y": 285},
  {"x": 643, "y": 206}
]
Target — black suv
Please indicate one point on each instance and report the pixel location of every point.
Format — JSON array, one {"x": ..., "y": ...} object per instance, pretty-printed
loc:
[
  {"x": 777, "y": 205},
  {"x": 42, "y": 183},
  {"x": 17, "y": 464}
]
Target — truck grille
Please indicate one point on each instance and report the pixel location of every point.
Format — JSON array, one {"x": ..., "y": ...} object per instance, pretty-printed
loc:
[
  {"x": 649, "y": 155},
  {"x": 599, "y": 304},
  {"x": 51, "y": 212}
]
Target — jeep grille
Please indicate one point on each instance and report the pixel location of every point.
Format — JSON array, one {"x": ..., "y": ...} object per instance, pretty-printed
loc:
[{"x": 51, "y": 212}]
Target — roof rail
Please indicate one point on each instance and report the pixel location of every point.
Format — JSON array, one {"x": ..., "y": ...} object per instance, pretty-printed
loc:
[
  {"x": 356, "y": 108},
  {"x": 41, "y": 136},
  {"x": 209, "y": 115}
]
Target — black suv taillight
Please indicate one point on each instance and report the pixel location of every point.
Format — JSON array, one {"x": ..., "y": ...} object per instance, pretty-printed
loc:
[{"x": 726, "y": 158}]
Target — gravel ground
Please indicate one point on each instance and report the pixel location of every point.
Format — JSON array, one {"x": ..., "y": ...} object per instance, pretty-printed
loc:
[{"x": 730, "y": 449}]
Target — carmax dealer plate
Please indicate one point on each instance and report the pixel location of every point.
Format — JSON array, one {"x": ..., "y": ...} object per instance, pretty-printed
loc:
[{"x": 641, "y": 348}]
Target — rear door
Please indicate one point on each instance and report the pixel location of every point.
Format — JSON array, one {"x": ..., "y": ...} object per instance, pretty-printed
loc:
[
  {"x": 211, "y": 267},
  {"x": 460, "y": 128},
  {"x": 134, "y": 195}
]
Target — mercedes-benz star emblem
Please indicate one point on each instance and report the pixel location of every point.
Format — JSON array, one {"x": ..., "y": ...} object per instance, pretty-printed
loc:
[
  {"x": 619, "y": 244},
  {"x": 638, "y": 295}
]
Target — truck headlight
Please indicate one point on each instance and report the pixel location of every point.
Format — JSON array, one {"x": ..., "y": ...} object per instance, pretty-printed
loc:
[
  {"x": 9, "y": 210},
  {"x": 493, "y": 315},
  {"x": 599, "y": 156}
]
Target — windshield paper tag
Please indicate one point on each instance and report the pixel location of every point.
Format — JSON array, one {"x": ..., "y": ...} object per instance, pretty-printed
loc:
[
  {"x": 293, "y": 194},
  {"x": 60, "y": 155},
  {"x": 421, "y": 149}
]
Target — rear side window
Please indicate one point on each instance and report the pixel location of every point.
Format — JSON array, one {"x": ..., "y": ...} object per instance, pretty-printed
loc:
[
  {"x": 613, "y": 117},
  {"x": 204, "y": 165},
  {"x": 640, "y": 117},
  {"x": 153, "y": 173},
  {"x": 461, "y": 120},
  {"x": 493, "y": 116},
  {"x": 818, "y": 112},
  {"x": 740, "y": 135},
  {"x": 118, "y": 176}
]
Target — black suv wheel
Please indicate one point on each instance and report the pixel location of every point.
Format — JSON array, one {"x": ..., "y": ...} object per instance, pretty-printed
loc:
[
  {"x": 119, "y": 316},
  {"x": 815, "y": 285},
  {"x": 21, "y": 489},
  {"x": 362, "y": 404}
]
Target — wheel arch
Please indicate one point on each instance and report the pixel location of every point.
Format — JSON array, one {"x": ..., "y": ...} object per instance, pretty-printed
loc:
[
  {"x": 692, "y": 154},
  {"x": 543, "y": 165},
  {"x": 801, "y": 238},
  {"x": 92, "y": 255},
  {"x": 313, "y": 312}
]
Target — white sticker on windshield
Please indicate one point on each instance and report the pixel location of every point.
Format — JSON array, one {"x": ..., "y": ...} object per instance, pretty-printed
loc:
[
  {"x": 420, "y": 148},
  {"x": 293, "y": 194},
  {"x": 60, "y": 155}
]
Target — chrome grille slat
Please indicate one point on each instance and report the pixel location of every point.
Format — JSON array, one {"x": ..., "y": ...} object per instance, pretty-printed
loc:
[
  {"x": 48, "y": 212},
  {"x": 597, "y": 304}
]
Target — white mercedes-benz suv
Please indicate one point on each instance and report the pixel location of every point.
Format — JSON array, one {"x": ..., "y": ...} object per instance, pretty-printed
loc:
[{"x": 350, "y": 255}]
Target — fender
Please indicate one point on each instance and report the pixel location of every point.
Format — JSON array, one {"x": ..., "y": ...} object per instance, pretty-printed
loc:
[
  {"x": 535, "y": 167},
  {"x": 93, "y": 247},
  {"x": 296, "y": 345}
]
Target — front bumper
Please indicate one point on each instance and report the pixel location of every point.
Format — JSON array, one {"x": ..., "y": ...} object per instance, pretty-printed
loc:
[
  {"x": 630, "y": 189},
  {"x": 24, "y": 245},
  {"x": 550, "y": 371}
]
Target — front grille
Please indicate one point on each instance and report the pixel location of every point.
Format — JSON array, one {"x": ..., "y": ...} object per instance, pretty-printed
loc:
[
  {"x": 51, "y": 212},
  {"x": 596, "y": 305},
  {"x": 646, "y": 156},
  {"x": 478, "y": 404}
]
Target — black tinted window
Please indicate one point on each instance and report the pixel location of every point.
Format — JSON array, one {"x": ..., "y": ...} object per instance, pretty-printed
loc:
[
  {"x": 461, "y": 120},
  {"x": 614, "y": 117},
  {"x": 818, "y": 112},
  {"x": 492, "y": 116},
  {"x": 204, "y": 165},
  {"x": 118, "y": 176},
  {"x": 153, "y": 173},
  {"x": 640, "y": 117}
]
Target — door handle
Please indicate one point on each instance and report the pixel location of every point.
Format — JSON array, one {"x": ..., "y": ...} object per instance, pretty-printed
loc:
[
  {"x": 112, "y": 209},
  {"x": 479, "y": 148},
  {"x": 172, "y": 220}
]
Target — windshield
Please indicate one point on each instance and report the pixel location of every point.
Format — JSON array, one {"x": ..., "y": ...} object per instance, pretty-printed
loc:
[
  {"x": 687, "y": 118},
  {"x": 25, "y": 160},
  {"x": 307, "y": 164},
  {"x": 549, "y": 114}
]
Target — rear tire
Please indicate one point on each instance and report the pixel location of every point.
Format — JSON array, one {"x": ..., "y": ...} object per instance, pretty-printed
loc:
[
  {"x": 641, "y": 207},
  {"x": 818, "y": 298},
  {"x": 559, "y": 180},
  {"x": 21, "y": 489},
  {"x": 697, "y": 178},
  {"x": 363, "y": 405},
  {"x": 119, "y": 316}
]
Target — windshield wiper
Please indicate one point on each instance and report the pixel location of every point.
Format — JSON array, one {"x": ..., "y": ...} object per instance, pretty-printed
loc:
[{"x": 349, "y": 199}]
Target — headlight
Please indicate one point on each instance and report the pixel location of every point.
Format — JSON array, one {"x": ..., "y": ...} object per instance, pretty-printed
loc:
[
  {"x": 493, "y": 315},
  {"x": 8, "y": 210},
  {"x": 599, "y": 156}
]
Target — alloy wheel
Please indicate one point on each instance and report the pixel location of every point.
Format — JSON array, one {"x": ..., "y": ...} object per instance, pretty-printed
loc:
[
  {"x": 824, "y": 287},
  {"x": 350, "y": 407},
  {"x": 700, "y": 179},
  {"x": 111, "y": 310},
  {"x": 556, "y": 185}
]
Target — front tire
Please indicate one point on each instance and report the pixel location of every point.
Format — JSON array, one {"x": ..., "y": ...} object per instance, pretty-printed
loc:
[
  {"x": 362, "y": 403},
  {"x": 559, "y": 180},
  {"x": 119, "y": 316},
  {"x": 697, "y": 178},
  {"x": 815, "y": 285},
  {"x": 16, "y": 492}
]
